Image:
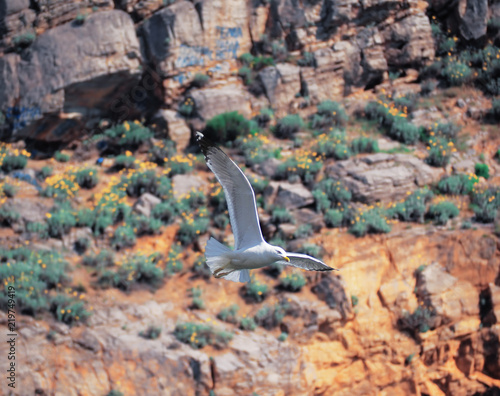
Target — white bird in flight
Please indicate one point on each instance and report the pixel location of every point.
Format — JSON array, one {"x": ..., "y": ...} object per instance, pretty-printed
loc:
[{"x": 251, "y": 250}]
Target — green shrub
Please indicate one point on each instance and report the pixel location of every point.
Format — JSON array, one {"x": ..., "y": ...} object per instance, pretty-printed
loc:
[
  {"x": 420, "y": 321},
  {"x": 439, "y": 152},
  {"x": 8, "y": 217},
  {"x": 191, "y": 227},
  {"x": 125, "y": 161},
  {"x": 246, "y": 74},
  {"x": 143, "y": 225},
  {"x": 32, "y": 274},
  {"x": 333, "y": 218},
  {"x": 258, "y": 184},
  {"x": 8, "y": 189},
  {"x": 138, "y": 183},
  {"x": 227, "y": 127},
  {"x": 161, "y": 151},
  {"x": 13, "y": 162},
  {"x": 197, "y": 300},
  {"x": 311, "y": 249},
  {"x": 254, "y": 148},
  {"x": 302, "y": 164},
  {"x": 442, "y": 212},
  {"x": 68, "y": 310},
  {"x": 303, "y": 231},
  {"x": 494, "y": 112},
  {"x": 23, "y": 40},
  {"x": 60, "y": 221},
  {"x": 485, "y": 204},
  {"x": 164, "y": 211},
  {"x": 307, "y": 60},
  {"x": 460, "y": 184},
  {"x": 61, "y": 157},
  {"x": 129, "y": 135},
  {"x": 229, "y": 314},
  {"x": 288, "y": 126},
  {"x": 282, "y": 215},
  {"x": 447, "y": 131},
  {"x": 115, "y": 392},
  {"x": 60, "y": 186},
  {"x": 200, "y": 267},
  {"x": 256, "y": 291},
  {"x": 200, "y": 80},
  {"x": 174, "y": 260},
  {"x": 260, "y": 62},
  {"x": 332, "y": 145},
  {"x": 46, "y": 171},
  {"x": 269, "y": 318},
  {"x": 457, "y": 73},
  {"x": 372, "y": 221},
  {"x": 200, "y": 335},
  {"x": 103, "y": 259},
  {"x": 293, "y": 282},
  {"x": 283, "y": 337},
  {"x": 151, "y": 333},
  {"x": 364, "y": 145},
  {"x": 41, "y": 229},
  {"x": 413, "y": 208},
  {"x": 482, "y": 170},
  {"x": 246, "y": 59},
  {"x": 336, "y": 193},
  {"x": 334, "y": 112},
  {"x": 123, "y": 237},
  {"x": 87, "y": 178},
  {"x": 404, "y": 131},
  {"x": 136, "y": 269},
  {"x": 248, "y": 323}
]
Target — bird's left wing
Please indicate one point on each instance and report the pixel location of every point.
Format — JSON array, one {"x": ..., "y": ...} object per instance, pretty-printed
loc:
[
  {"x": 239, "y": 194},
  {"x": 305, "y": 262}
]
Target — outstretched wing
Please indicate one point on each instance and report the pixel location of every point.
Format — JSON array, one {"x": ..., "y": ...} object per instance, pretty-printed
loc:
[
  {"x": 239, "y": 194},
  {"x": 305, "y": 262}
]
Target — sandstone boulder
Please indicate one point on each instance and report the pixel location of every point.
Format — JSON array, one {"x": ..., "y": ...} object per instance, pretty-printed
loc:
[
  {"x": 71, "y": 69},
  {"x": 383, "y": 177},
  {"x": 292, "y": 196},
  {"x": 210, "y": 102},
  {"x": 145, "y": 204}
]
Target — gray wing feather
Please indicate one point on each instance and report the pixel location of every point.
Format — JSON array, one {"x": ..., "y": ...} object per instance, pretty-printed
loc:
[
  {"x": 239, "y": 194},
  {"x": 305, "y": 262}
]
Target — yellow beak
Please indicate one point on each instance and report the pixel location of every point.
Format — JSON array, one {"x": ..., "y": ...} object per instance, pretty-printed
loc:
[{"x": 286, "y": 258}]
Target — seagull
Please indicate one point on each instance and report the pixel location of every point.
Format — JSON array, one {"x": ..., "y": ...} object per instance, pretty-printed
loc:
[{"x": 251, "y": 250}]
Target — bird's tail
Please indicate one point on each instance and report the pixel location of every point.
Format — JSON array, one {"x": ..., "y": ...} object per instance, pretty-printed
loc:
[{"x": 220, "y": 264}]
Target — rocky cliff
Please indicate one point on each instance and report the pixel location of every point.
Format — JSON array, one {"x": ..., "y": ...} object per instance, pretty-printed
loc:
[{"x": 369, "y": 132}]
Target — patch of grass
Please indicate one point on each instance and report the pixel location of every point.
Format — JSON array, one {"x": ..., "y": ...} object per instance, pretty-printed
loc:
[
  {"x": 442, "y": 212},
  {"x": 8, "y": 217},
  {"x": 303, "y": 231},
  {"x": 333, "y": 145},
  {"x": 61, "y": 186},
  {"x": 485, "y": 204},
  {"x": 331, "y": 193},
  {"x": 164, "y": 211},
  {"x": 311, "y": 249},
  {"x": 457, "y": 73},
  {"x": 103, "y": 259},
  {"x": 125, "y": 161},
  {"x": 254, "y": 148},
  {"x": 270, "y": 317},
  {"x": 179, "y": 164},
  {"x": 161, "y": 150},
  {"x": 68, "y": 310},
  {"x": 60, "y": 220},
  {"x": 200, "y": 335},
  {"x": 334, "y": 112},
  {"x": 404, "y": 131}
]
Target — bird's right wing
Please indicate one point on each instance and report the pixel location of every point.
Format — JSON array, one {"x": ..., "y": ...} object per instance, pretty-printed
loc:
[
  {"x": 239, "y": 194},
  {"x": 306, "y": 262}
]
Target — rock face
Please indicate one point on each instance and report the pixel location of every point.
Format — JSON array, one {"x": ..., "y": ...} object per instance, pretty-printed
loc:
[
  {"x": 383, "y": 177},
  {"x": 71, "y": 69}
]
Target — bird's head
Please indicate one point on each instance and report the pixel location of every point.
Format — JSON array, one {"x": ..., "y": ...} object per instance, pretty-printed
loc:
[{"x": 280, "y": 253}]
